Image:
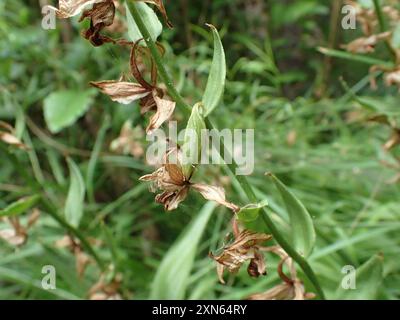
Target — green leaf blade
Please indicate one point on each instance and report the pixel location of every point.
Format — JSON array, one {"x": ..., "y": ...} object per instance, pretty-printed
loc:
[
  {"x": 149, "y": 18},
  {"x": 302, "y": 227},
  {"x": 63, "y": 108},
  {"x": 20, "y": 206},
  {"x": 76, "y": 195},
  {"x": 173, "y": 273},
  {"x": 216, "y": 79}
]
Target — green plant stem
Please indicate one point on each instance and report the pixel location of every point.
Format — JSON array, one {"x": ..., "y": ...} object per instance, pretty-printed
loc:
[
  {"x": 232, "y": 167},
  {"x": 379, "y": 14},
  {"x": 51, "y": 210},
  {"x": 383, "y": 27}
]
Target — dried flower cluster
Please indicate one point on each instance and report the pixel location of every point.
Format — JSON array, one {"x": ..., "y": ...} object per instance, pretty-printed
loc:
[
  {"x": 172, "y": 179},
  {"x": 370, "y": 24}
]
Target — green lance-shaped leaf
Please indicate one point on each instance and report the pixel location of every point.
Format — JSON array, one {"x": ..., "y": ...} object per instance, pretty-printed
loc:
[
  {"x": 20, "y": 206},
  {"x": 63, "y": 108},
  {"x": 301, "y": 224},
  {"x": 191, "y": 148},
  {"x": 216, "y": 79},
  {"x": 367, "y": 280},
  {"x": 172, "y": 275},
  {"x": 76, "y": 195},
  {"x": 251, "y": 212},
  {"x": 149, "y": 18}
]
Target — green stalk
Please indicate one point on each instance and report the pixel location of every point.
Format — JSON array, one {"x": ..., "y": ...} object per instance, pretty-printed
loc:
[
  {"x": 383, "y": 27},
  {"x": 232, "y": 167}
]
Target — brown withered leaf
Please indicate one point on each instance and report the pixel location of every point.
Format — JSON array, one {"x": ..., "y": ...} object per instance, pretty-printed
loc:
[
  {"x": 71, "y": 8},
  {"x": 244, "y": 248},
  {"x": 120, "y": 91}
]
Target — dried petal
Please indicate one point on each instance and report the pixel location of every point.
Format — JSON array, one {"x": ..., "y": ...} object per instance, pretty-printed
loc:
[
  {"x": 101, "y": 15},
  {"x": 120, "y": 91},
  {"x": 257, "y": 265},
  {"x": 281, "y": 291},
  {"x": 171, "y": 199},
  {"x": 366, "y": 44},
  {"x": 13, "y": 237},
  {"x": 214, "y": 193},
  {"x": 393, "y": 78},
  {"x": 71, "y": 8},
  {"x": 8, "y": 136},
  {"x": 244, "y": 248},
  {"x": 291, "y": 288},
  {"x": 165, "y": 109}
]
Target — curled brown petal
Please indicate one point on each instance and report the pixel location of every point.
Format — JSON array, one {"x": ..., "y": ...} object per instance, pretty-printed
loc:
[
  {"x": 165, "y": 109},
  {"x": 120, "y": 91},
  {"x": 134, "y": 66},
  {"x": 71, "y": 8},
  {"x": 216, "y": 194},
  {"x": 101, "y": 15},
  {"x": 257, "y": 265},
  {"x": 171, "y": 199}
]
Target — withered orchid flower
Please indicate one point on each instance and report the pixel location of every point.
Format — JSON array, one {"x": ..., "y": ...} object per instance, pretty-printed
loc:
[
  {"x": 245, "y": 247},
  {"x": 291, "y": 288},
  {"x": 170, "y": 179},
  {"x": 101, "y": 15},
  {"x": 150, "y": 96}
]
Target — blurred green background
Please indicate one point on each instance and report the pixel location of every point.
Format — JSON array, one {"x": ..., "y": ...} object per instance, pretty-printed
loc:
[{"x": 277, "y": 83}]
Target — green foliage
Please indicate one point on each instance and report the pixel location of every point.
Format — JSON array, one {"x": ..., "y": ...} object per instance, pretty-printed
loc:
[
  {"x": 171, "y": 279},
  {"x": 216, "y": 79},
  {"x": 19, "y": 207},
  {"x": 74, "y": 204},
  {"x": 301, "y": 224},
  {"x": 63, "y": 108},
  {"x": 311, "y": 131},
  {"x": 149, "y": 18}
]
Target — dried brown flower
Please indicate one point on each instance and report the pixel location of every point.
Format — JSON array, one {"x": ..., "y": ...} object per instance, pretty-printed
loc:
[
  {"x": 245, "y": 247},
  {"x": 71, "y": 8},
  {"x": 291, "y": 288},
  {"x": 175, "y": 185},
  {"x": 101, "y": 16},
  {"x": 151, "y": 97},
  {"x": 366, "y": 44}
]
